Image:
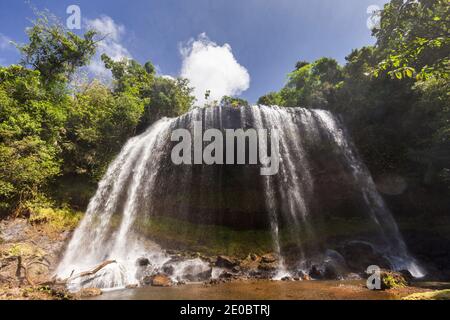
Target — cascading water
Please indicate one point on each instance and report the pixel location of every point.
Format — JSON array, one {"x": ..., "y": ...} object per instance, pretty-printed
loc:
[{"x": 320, "y": 182}]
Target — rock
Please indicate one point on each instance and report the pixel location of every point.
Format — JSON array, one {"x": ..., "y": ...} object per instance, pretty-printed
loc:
[
  {"x": 250, "y": 263},
  {"x": 269, "y": 258},
  {"x": 161, "y": 280},
  {"x": 132, "y": 286},
  {"x": 226, "y": 262},
  {"x": 353, "y": 276},
  {"x": 302, "y": 275},
  {"x": 316, "y": 273},
  {"x": 330, "y": 272},
  {"x": 89, "y": 292},
  {"x": 407, "y": 275},
  {"x": 392, "y": 280},
  {"x": 236, "y": 269},
  {"x": 268, "y": 266},
  {"x": 199, "y": 276},
  {"x": 334, "y": 265},
  {"x": 168, "y": 269},
  {"x": 144, "y": 273},
  {"x": 287, "y": 278},
  {"x": 226, "y": 275},
  {"x": 146, "y": 281},
  {"x": 142, "y": 262},
  {"x": 269, "y": 262},
  {"x": 359, "y": 255}
]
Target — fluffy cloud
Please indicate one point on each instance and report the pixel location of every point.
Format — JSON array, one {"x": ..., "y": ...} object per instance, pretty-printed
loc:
[
  {"x": 209, "y": 66},
  {"x": 112, "y": 34}
]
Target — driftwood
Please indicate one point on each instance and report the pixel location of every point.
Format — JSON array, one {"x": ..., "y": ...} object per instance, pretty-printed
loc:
[
  {"x": 93, "y": 271},
  {"x": 56, "y": 281}
]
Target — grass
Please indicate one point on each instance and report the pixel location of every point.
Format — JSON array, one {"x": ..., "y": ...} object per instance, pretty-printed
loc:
[
  {"x": 55, "y": 220},
  {"x": 52, "y": 219},
  {"x": 21, "y": 250}
]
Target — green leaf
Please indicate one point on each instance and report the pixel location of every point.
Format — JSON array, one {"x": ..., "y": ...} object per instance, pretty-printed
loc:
[{"x": 409, "y": 73}]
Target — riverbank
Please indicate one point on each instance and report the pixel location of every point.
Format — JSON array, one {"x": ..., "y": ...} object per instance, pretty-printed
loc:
[{"x": 29, "y": 254}]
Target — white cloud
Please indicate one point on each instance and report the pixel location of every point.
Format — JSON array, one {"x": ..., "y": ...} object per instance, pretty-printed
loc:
[
  {"x": 111, "y": 44},
  {"x": 209, "y": 66},
  {"x": 5, "y": 42}
]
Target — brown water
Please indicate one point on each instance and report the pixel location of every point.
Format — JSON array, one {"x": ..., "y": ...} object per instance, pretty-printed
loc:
[{"x": 261, "y": 290}]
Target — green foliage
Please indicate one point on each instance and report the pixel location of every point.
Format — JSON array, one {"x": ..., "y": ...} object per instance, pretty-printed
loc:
[
  {"x": 414, "y": 35},
  {"x": 30, "y": 126},
  {"x": 392, "y": 280},
  {"x": 311, "y": 85},
  {"x": 52, "y": 130},
  {"x": 98, "y": 123},
  {"x": 167, "y": 98},
  {"x": 394, "y": 96},
  {"x": 271, "y": 99},
  {"x": 55, "y": 220},
  {"x": 55, "y": 52},
  {"x": 233, "y": 102}
]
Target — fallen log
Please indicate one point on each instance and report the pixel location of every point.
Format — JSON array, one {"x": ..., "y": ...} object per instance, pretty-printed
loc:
[{"x": 93, "y": 271}]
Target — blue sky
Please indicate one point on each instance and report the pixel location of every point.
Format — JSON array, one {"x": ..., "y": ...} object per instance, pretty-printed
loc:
[{"x": 265, "y": 37}]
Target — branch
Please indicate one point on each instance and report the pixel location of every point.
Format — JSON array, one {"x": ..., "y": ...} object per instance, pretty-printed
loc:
[{"x": 95, "y": 270}]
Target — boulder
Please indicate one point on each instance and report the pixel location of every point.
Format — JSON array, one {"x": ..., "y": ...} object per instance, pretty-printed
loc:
[
  {"x": 269, "y": 258},
  {"x": 226, "y": 262},
  {"x": 334, "y": 265},
  {"x": 226, "y": 275},
  {"x": 168, "y": 269},
  {"x": 161, "y": 280},
  {"x": 142, "y": 262},
  {"x": 392, "y": 280},
  {"x": 359, "y": 255},
  {"x": 250, "y": 263},
  {"x": 302, "y": 275},
  {"x": 197, "y": 276},
  {"x": 144, "y": 273},
  {"x": 273, "y": 266},
  {"x": 316, "y": 272}
]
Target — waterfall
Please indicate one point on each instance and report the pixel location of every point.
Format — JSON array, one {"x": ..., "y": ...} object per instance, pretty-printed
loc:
[{"x": 321, "y": 182}]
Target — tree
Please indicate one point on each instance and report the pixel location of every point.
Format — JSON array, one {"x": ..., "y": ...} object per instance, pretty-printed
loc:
[
  {"x": 228, "y": 101},
  {"x": 416, "y": 39},
  {"x": 312, "y": 85},
  {"x": 271, "y": 99},
  {"x": 31, "y": 122},
  {"x": 55, "y": 52},
  {"x": 98, "y": 124},
  {"x": 167, "y": 98}
]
